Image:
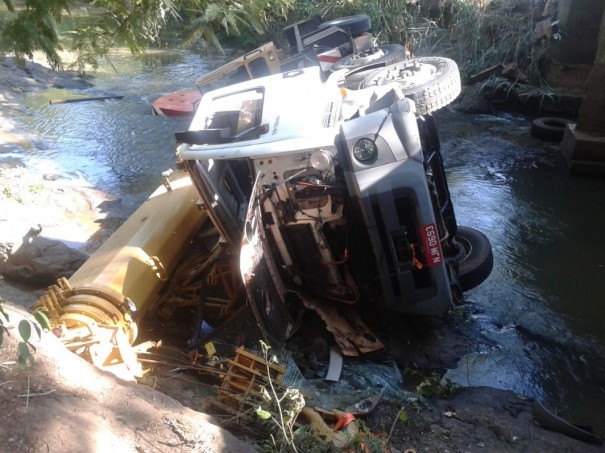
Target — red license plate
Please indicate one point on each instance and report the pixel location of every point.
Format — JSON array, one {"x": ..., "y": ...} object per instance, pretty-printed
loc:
[{"x": 431, "y": 245}]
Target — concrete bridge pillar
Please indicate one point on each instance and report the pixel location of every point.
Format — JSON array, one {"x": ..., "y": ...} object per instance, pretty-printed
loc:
[{"x": 583, "y": 146}]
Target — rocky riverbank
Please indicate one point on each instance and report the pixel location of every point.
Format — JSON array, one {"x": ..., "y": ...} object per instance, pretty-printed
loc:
[
  {"x": 65, "y": 412},
  {"x": 36, "y": 205},
  {"x": 48, "y": 225}
]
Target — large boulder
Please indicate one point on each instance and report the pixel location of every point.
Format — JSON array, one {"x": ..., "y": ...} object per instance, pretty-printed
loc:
[{"x": 39, "y": 261}]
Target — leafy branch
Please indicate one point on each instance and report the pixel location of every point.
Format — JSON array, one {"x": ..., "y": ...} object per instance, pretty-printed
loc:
[
  {"x": 289, "y": 405},
  {"x": 25, "y": 348},
  {"x": 133, "y": 23}
]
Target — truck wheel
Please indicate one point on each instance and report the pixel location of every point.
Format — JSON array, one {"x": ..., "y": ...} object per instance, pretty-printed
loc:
[
  {"x": 385, "y": 55},
  {"x": 476, "y": 259},
  {"x": 364, "y": 63},
  {"x": 356, "y": 25},
  {"x": 431, "y": 82}
]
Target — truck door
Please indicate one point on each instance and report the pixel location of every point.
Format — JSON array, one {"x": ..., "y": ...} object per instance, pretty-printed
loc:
[{"x": 225, "y": 187}]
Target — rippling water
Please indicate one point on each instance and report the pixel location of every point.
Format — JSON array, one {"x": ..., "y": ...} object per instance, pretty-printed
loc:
[
  {"x": 116, "y": 145},
  {"x": 541, "y": 312}
]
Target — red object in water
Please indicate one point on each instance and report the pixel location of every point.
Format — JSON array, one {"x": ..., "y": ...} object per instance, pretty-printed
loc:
[{"x": 180, "y": 103}]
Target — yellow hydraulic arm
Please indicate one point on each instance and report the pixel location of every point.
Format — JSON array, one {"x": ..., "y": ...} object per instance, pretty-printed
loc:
[{"x": 96, "y": 311}]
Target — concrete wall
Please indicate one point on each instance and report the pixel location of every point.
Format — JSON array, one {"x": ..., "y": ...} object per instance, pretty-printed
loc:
[
  {"x": 579, "y": 23},
  {"x": 583, "y": 146}
]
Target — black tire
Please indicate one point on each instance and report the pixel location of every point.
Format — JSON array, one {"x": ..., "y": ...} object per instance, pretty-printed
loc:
[
  {"x": 356, "y": 25},
  {"x": 476, "y": 259},
  {"x": 431, "y": 82},
  {"x": 391, "y": 53},
  {"x": 550, "y": 129}
]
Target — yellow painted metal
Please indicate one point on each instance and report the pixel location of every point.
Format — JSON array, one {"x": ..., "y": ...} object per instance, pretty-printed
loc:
[
  {"x": 138, "y": 258},
  {"x": 97, "y": 309}
]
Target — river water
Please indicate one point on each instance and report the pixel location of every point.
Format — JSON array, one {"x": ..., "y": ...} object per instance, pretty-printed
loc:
[
  {"x": 115, "y": 145},
  {"x": 542, "y": 311}
]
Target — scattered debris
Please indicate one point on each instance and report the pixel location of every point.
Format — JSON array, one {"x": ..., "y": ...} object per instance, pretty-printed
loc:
[
  {"x": 550, "y": 421},
  {"x": 244, "y": 381},
  {"x": 486, "y": 73},
  {"x": 335, "y": 366},
  {"x": 364, "y": 406}
]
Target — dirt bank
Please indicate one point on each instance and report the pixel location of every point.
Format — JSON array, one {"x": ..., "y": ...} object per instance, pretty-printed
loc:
[{"x": 63, "y": 404}]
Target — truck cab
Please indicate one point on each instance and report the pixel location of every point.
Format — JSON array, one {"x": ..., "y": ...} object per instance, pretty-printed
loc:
[{"x": 336, "y": 201}]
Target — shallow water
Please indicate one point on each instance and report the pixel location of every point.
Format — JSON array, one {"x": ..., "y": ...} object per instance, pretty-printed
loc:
[
  {"x": 116, "y": 145},
  {"x": 541, "y": 312}
]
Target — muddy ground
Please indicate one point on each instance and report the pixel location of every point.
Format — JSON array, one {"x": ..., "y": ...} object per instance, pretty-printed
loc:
[{"x": 61, "y": 403}]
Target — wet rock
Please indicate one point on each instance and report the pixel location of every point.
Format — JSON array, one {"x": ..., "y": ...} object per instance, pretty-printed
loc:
[
  {"x": 69, "y": 81},
  {"x": 39, "y": 261},
  {"x": 473, "y": 100},
  {"x": 35, "y": 77},
  {"x": 11, "y": 162},
  {"x": 473, "y": 419}
]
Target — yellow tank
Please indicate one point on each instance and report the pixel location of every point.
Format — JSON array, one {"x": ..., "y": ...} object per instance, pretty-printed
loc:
[{"x": 97, "y": 309}]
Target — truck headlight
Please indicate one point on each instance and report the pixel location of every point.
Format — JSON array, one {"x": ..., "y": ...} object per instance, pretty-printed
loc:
[
  {"x": 364, "y": 149},
  {"x": 320, "y": 160}
]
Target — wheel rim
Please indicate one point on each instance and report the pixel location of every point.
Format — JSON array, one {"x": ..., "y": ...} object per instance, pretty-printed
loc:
[
  {"x": 464, "y": 250},
  {"x": 407, "y": 75},
  {"x": 367, "y": 56}
]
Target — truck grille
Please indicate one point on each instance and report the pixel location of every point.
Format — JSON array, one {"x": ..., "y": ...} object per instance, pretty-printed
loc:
[{"x": 400, "y": 241}]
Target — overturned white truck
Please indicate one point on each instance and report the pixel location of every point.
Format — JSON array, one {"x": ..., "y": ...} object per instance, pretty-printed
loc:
[
  {"x": 324, "y": 198},
  {"x": 337, "y": 198}
]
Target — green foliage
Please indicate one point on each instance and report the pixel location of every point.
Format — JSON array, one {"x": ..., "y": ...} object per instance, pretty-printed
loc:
[
  {"x": 477, "y": 34},
  {"x": 42, "y": 319},
  {"x": 262, "y": 414},
  {"x": 24, "y": 348},
  {"x": 432, "y": 386},
  {"x": 282, "y": 409},
  {"x": 213, "y": 21},
  {"x": 134, "y": 24},
  {"x": 403, "y": 416},
  {"x": 15, "y": 185},
  {"x": 33, "y": 28},
  {"x": 308, "y": 441}
]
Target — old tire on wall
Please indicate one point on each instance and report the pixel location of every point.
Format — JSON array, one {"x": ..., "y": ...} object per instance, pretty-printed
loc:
[
  {"x": 550, "y": 129},
  {"x": 431, "y": 82},
  {"x": 476, "y": 259}
]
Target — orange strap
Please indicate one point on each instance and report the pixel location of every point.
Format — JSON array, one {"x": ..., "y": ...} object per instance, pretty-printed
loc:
[{"x": 343, "y": 420}]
